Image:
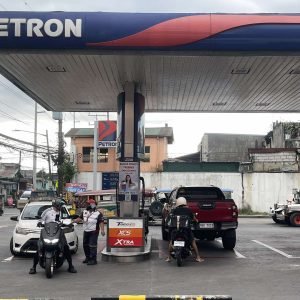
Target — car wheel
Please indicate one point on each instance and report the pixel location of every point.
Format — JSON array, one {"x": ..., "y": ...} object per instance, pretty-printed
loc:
[
  {"x": 156, "y": 208},
  {"x": 74, "y": 251},
  {"x": 275, "y": 219},
  {"x": 11, "y": 247},
  {"x": 229, "y": 239},
  {"x": 295, "y": 219}
]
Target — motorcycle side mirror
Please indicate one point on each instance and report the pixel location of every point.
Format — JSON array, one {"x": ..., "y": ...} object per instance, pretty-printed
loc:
[
  {"x": 73, "y": 217},
  {"x": 14, "y": 218}
]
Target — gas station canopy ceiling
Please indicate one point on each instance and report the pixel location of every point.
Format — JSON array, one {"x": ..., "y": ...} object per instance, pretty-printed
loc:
[{"x": 179, "y": 62}]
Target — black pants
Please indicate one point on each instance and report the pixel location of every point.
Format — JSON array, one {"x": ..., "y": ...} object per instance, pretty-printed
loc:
[
  {"x": 90, "y": 241},
  {"x": 66, "y": 249}
]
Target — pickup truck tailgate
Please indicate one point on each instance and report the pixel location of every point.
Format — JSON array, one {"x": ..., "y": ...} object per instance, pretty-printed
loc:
[{"x": 213, "y": 210}]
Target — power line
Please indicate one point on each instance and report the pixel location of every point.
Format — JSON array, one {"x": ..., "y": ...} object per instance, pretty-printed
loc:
[
  {"x": 27, "y": 143},
  {"x": 15, "y": 91},
  {"x": 11, "y": 117},
  {"x": 26, "y": 4}
]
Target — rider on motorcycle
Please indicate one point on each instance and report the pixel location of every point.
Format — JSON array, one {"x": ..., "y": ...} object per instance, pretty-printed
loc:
[
  {"x": 52, "y": 214},
  {"x": 181, "y": 209}
]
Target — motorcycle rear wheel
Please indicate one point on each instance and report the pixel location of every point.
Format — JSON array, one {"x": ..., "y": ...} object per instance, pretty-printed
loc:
[
  {"x": 49, "y": 267},
  {"x": 178, "y": 258}
]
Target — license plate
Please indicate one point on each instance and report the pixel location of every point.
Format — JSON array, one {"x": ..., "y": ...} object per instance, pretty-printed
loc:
[
  {"x": 206, "y": 225},
  {"x": 179, "y": 243}
]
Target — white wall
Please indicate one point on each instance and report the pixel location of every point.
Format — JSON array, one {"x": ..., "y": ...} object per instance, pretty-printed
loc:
[
  {"x": 261, "y": 190},
  {"x": 87, "y": 177}
]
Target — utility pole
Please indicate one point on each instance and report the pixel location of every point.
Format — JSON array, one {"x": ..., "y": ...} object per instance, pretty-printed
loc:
[
  {"x": 34, "y": 148},
  {"x": 95, "y": 160},
  {"x": 49, "y": 159},
  {"x": 18, "y": 188},
  {"x": 60, "y": 158}
]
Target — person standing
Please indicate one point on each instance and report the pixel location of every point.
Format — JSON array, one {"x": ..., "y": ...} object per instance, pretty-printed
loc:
[{"x": 93, "y": 222}]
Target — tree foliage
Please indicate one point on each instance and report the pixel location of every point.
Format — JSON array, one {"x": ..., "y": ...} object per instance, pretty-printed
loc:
[
  {"x": 292, "y": 128},
  {"x": 268, "y": 137},
  {"x": 68, "y": 170}
]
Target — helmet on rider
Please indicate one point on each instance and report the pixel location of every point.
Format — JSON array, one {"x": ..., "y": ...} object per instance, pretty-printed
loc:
[
  {"x": 180, "y": 201},
  {"x": 161, "y": 196},
  {"x": 58, "y": 203},
  {"x": 91, "y": 201}
]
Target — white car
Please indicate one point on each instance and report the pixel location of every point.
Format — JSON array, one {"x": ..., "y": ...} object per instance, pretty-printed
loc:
[
  {"x": 26, "y": 233},
  {"x": 23, "y": 199}
]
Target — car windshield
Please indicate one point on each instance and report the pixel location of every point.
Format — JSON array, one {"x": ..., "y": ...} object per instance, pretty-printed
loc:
[
  {"x": 33, "y": 212},
  {"x": 26, "y": 194}
]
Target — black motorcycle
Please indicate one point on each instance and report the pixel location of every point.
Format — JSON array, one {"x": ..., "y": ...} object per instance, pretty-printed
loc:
[
  {"x": 51, "y": 246},
  {"x": 180, "y": 227}
]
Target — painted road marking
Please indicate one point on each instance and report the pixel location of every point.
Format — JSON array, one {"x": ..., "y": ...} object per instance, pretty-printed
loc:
[
  {"x": 3, "y": 226},
  {"x": 238, "y": 254},
  {"x": 8, "y": 259},
  {"x": 274, "y": 249}
]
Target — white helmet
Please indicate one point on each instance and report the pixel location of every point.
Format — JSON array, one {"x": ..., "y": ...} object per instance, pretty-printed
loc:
[
  {"x": 180, "y": 201},
  {"x": 161, "y": 196}
]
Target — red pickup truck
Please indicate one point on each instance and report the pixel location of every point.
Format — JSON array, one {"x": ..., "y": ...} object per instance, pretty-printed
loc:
[{"x": 216, "y": 215}]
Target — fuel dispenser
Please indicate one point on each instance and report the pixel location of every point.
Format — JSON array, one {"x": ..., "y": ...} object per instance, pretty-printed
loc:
[{"x": 128, "y": 231}]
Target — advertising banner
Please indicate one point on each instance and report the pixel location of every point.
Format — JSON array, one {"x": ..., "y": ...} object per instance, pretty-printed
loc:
[
  {"x": 129, "y": 178},
  {"x": 109, "y": 180},
  {"x": 124, "y": 233},
  {"x": 139, "y": 116},
  {"x": 107, "y": 134},
  {"x": 120, "y": 126},
  {"x": 76, "y": 187}
]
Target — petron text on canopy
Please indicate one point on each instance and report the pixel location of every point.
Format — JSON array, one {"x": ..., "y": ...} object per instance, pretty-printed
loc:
[{"x": 34, "y": 27}]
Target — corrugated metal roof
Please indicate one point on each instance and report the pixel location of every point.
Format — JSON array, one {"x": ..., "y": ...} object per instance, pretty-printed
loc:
[
  {"x": 170, "y": 82},
  {"x": 149, "y": 132},
  {"x": 8, "y": 170},
  {"x": 160, "y": 132}
]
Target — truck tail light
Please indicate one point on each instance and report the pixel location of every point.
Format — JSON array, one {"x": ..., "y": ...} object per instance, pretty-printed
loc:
[{"x": 234, "y": 211}]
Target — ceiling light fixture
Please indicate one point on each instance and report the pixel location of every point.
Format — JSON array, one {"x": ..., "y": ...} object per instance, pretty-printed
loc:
[
  {"x": 295, "y": 71},
  {"x": 240, "y": 71},
  {"x": 219, "y": 103},
  {"x": 262, "y": 104},
  {"x": 82, "y": 102},
  {"x": 56, "y": 68}
]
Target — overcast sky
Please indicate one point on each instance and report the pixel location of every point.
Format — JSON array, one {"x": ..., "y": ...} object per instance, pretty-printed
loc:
[
  {"x": 17, "y": 109},
  {"x": 204, "y": 6}
]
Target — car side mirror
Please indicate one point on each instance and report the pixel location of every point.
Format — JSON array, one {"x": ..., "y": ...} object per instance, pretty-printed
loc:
[{"x": 14, "y": 218}]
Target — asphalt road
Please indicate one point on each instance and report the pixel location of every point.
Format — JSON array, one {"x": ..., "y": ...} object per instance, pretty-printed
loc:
[{"x": 265, "y": 265}]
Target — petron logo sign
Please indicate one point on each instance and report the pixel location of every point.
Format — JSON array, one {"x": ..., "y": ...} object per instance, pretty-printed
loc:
[
  {"x": 107, "y": 134},
  {"x": 155, "y": 31},
  {"x": 35, "y": 27}
]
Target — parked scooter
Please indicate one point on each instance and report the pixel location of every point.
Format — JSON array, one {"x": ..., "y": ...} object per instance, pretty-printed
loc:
[
  {"x": 181, "y": 247},
  {"x": 51, "y": 246}
]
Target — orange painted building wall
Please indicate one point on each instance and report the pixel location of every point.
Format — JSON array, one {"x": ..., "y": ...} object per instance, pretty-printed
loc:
[{"x": 158, "y": 153}]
